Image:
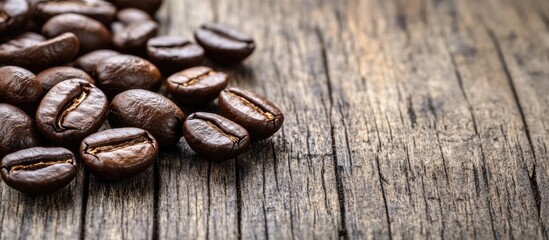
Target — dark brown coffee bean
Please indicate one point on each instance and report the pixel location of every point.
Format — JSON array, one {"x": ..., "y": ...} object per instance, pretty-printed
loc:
[
  {"x": 33, "y": 52},
  {"x": 172, "y": 54},
  {"x": 52, "y": 76},
  {"x": 124, "y": 72},
  {"x": 150, "y": 111},
  {"x": 131, "y": 15},
  {"x": 89, "y": 61},
  {"x": 99, "y": 10},
  {"x": 120, "y": 153},
  {"x": 13, "y": 15},
  {"x": 150, "y": 6},
  {"x": 258, "y": 115},
  {"x": 215, "y": 137},
  {"x": 71, "y": 111},
  {"x": 91, "y": 33},
  {"x": 20, "y": 87},
  {"x": 39, "y": 170},
  {"x": 17, "y": 130},
  {"x": 197, "y": 85},
  {"x": 133, "y": 38},
  {"x": 223, "y": 44}
]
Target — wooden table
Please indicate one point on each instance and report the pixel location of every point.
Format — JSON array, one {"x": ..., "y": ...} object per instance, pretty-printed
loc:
[{"x": 404, "y": 119}]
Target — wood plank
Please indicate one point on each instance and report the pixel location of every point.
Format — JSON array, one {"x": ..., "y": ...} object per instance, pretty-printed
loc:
[
  {"x": 288, "y": 183},
  {"x": 449, "y": 151},
  {"x": 197, "y": 199},
  {"x": 506, "y": 149},
  {"x": 276, "y": 189},
  {"x": 53, "y": 216},
  {"x": 408, "y": 118},
  {"x": 522, "y": 35}
]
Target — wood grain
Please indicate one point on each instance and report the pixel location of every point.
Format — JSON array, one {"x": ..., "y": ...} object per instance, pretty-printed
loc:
[{"x": 404, "y": 119}]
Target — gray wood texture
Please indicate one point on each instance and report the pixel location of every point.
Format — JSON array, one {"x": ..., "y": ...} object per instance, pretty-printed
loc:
[{"x": 404, "y": 119}]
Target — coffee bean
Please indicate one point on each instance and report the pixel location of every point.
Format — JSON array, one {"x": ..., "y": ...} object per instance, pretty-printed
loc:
[
  {"x": 150, "y": 111},
  {"x": 133, "y": 38},
  {"x": 150, "y": 6},
  {"x": 123, "y": 72},
  {"x": 33, "y": 52},
  {"x": 197, "y": 85},
  {"x": 52, "y": 76},
  {"x": 215, "y": 137},
  {"x": 89, "y": 61},
  {"x": 71, "y": 111},
  {"x": 13, "y": 15},
  {"x": 17, "y": 130},
  {"x": 20, "y": 87},
  {"x": 258, "y": 115},
  {"x": 39, "y": 170},
  {"x": 223, "y": 44},
  {"x": 172, "y": 54},
  {"x": 131, "y": 15},
  {"x": 91, "y": 33},
  {"x": 120, "y": 153},
  {"x": 99, "y": 10}
]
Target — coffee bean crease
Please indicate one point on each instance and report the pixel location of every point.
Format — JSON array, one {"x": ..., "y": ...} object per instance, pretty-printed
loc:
[
  {"x": 39, "y": 165},
  {"x": 111, "y": 148},
  {"x": 71, "y": 107}
]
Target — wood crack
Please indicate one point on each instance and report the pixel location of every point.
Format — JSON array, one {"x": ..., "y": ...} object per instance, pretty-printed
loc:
[
  {"x": 156, "y": 203},
  {"x": 343, "y": 233},
  {"x": 238, "y": 198},
  {"x": 275, "y": 165},
  {"x": 265, "y": 221},
  {"x": 381, "y": 180},
  {"x": 85, "y": 196},
  {"x": 209, "y": 200}
]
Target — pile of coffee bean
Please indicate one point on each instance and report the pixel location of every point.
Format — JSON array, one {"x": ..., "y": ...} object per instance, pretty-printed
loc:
[{"x": 68, "y": 66}]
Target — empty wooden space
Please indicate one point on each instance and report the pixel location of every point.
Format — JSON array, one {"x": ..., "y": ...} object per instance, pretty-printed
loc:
[{"x": 404, "y": 119}]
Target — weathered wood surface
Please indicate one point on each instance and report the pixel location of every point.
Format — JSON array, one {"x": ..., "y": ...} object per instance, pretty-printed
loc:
[{"x": 404, "y": 119}]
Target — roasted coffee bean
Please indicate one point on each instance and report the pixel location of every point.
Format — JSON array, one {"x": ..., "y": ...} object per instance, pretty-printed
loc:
[
  {"x": 123, "y": 72},
  {"x": 127, "y": 16},
  {"x": 150, "y": 6},
  {"x": 33, "y": 52},
  {"x": 133, "y": 38},
  {"x": 120, "y": 153},
  {"x": 197, "y": 85},
  {"x": 52, "y": 76},
  {"x": 131, "y": 15},
  {"x": 99, "y": 10},
  {"x": 89, "y": 61},
  {"x": 91, "y": 33},
  {"x": 150, "y": 111},
  {"x": 71, "y": 111},
  {"x": 13, "y": 15},
  {"x": 258, "y": 115},
  {"x": 39, "y": 170},
  {"x": 172, "y": 54},
  {"x": 223, "y": 44},
  {"x": 215, "y": 137},
  {"x": 17, "y": 130},
  {"x": 20, "y": 87}
]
